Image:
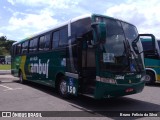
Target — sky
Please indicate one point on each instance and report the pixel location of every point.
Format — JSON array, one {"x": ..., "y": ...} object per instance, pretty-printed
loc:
[{"x": 21, "y": 18}]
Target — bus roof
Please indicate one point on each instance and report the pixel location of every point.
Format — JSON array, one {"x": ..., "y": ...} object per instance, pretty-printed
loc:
[
  {"x": 59, "y": 25},
  {"x": 65, "y": 23}
]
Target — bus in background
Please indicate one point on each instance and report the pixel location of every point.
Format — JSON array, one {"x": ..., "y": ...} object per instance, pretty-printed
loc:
[
  {"x": 151, "y": 47},
  {"x": 92, "y": 55},
  {"x": 8, "y": 59}
]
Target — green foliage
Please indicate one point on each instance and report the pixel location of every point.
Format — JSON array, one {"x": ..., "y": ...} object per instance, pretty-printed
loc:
[{"x": 5, "y": 45}]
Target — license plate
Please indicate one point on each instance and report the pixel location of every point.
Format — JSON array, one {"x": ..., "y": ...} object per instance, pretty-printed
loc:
[{"x": 129, "y": 90}]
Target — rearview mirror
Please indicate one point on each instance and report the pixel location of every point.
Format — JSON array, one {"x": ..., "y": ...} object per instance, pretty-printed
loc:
[
  {"x": 135, "y": 47},
  {"x": 100, "y": 31}
]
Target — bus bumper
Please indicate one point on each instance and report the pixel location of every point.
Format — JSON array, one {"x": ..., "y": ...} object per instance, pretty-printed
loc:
[{"x": 106, "y": 90}]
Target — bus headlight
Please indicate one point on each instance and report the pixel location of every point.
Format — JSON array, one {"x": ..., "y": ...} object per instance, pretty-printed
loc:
[
  {"x": 143, "y": 78},
  {"x": 108, "y": 80}
]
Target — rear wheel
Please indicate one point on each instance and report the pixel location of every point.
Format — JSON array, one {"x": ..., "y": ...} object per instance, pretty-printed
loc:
[
  {"x": 62, "y": 87},
  {"x": 150, "y": 78}
]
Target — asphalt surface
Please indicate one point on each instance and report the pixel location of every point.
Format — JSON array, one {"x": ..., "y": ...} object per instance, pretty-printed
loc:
[{"x": 34, "y": 97}]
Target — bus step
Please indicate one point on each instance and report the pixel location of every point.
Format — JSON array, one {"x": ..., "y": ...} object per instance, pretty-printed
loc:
[{"x": 89, "y": 90}]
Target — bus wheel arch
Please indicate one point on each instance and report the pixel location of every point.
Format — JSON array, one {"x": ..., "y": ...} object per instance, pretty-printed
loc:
[
  {"x": 61, "y": 85},
  {"x": 150, "y": 76}
]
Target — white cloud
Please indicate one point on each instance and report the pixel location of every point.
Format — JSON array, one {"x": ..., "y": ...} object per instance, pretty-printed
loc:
[
  {"x": 11, "y": 1},
  {"x": 28, "y": 2},
  {"x": 40, "y": 15},
  {"x": 30, "y": 23},
  {"x": 9, "y": 9},
  {"x": 144, "y": 14},
  {"x": 36, "y": 21},
  {"x": 54, "y": 3},
  {"x": 1, "y": 34}
]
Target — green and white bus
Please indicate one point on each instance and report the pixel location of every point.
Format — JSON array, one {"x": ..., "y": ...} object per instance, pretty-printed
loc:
[
  {"x": 151, "y": 47},
  {"x": 92, "y": 55}
]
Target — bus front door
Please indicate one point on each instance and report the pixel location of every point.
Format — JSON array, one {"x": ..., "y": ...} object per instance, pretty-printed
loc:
[{"x": 88, "y": 67}]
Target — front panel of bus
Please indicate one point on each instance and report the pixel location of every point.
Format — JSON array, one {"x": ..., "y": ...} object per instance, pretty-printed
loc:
[{"x": 119, "y": 69}]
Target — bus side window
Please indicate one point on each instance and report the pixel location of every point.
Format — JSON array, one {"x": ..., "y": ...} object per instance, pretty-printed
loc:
[
  {"x": 44, "y": 42},
  {"x": 31, "y": 46},
  {"x": 24, "y": 47},
  {"x": 78, "y": 28},
  {"x": 47, "y": 41},
  {"x": 35, "y": 42},
  {"x": 55, "y": 40},
  {"x": 23, "y": 44},
  {"x": 41, "y": 43},
  {"x": 18, "y": 49},
  {"x": 13, "y": 50},
  {"x": 63, "y": 36}
]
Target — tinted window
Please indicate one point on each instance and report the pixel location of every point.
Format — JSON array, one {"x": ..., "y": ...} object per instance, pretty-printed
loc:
[
  {"x": 44, "y": 42},
  {"x": 33, "y": 45},
  {"x": 18, "y": 49},
  {"x": 47, "y": 42},
  {"x": 130, "y": 31},
  {"x": 55, "y": 40},
  {"x": 147, "y": 45},
  {"x": 80, "y": 27},
  {"x": 113, "y": 55},
  {"x": 41, "y": 43},
  {"x": 13, "y": 50},
  {"x": 25, "y": 47},
  {"x": 115, "y": 38},
  {"x": 63, "y": 36}
]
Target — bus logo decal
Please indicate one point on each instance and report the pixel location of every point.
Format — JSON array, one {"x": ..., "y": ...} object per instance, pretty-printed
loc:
[{"x": 40, "y": 68}]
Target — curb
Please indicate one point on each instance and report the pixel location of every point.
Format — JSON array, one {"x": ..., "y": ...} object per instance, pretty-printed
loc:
[{"x": 5, "y": 72}]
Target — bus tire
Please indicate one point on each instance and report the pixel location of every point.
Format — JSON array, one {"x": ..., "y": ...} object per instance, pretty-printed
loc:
[
  {"x": 21, "y": 80},
  {"x": 62, "y": 87},
  {"x": 150, "y": 78}
]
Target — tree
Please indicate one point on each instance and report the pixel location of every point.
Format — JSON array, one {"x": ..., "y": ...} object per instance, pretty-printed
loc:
[
  {"x": 3, "y": 38},
  {"x": 5, "y": 45}
]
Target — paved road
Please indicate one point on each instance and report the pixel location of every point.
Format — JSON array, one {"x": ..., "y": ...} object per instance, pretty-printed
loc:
[{"x": 32, "y": 97}]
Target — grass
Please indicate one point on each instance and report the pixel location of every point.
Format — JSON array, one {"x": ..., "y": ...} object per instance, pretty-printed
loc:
[{"x": 5, "y": 67}]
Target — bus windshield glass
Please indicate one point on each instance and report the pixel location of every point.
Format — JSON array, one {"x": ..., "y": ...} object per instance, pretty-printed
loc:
[
  {"x": 117, "y": 53},
  {"x": 131, "y": 35}
]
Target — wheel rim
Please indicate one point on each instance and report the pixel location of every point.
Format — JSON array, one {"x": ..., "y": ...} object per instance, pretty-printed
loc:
[
  {"x": 63, "y": 87},
  {"x": 148, "y": 78}
]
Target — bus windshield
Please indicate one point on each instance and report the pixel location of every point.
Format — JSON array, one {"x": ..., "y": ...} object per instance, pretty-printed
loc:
[
  {"x": 116, "y": 53},
  {"x": 131, "y": 35}
]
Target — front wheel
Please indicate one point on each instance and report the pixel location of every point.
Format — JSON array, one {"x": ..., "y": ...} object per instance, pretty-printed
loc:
[
  {"x": 150, "y": 78},
  {"x": 62, "y": 88}
]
